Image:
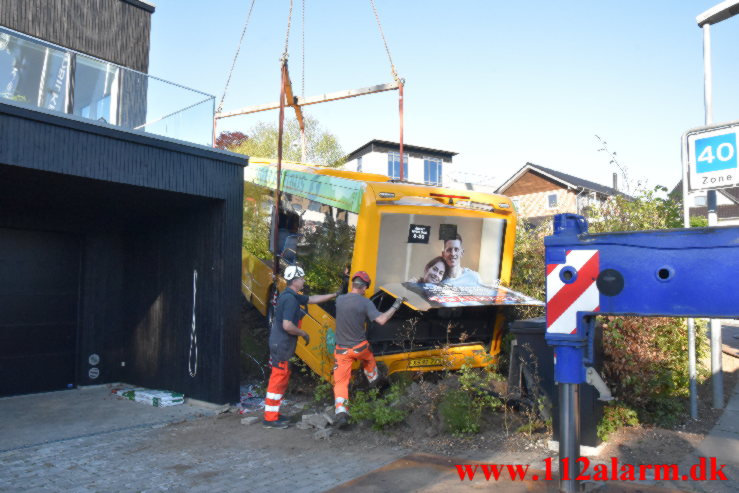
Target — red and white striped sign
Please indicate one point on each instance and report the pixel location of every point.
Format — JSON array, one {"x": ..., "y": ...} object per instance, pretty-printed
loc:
[{"x": 564, "y": 300}]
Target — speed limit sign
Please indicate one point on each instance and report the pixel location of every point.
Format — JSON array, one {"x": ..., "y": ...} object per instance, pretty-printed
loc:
[{"x": 712, "y": 157}]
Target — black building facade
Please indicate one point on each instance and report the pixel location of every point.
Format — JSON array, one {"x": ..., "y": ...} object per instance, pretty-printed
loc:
[
  {"x": 113, "y": 30},
  {"x": 120, "y": 251}
]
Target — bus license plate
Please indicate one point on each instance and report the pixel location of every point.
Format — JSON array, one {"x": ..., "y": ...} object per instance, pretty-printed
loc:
[{"x": 415, "y": 363}]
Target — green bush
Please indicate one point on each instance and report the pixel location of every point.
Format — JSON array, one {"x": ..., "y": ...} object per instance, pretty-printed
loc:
[
  {"x": 615, "y": 417},
  {"x": 256, "y": 221},
  {"x": 461, "y": 409},
  {"x": 646, "y": 361},
  {"x": 381, "y": 410},
  {"x": 460, "y": 413},
  {"x": 527, "y": 274},
  {"x": 323, "y": 392}
]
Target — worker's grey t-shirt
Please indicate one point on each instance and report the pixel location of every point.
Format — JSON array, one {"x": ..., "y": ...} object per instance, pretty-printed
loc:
[{"x": 352, "y": 310}]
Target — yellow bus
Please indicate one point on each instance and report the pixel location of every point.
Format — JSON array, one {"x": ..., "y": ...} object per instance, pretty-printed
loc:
[{"x": 410, "y": 238}]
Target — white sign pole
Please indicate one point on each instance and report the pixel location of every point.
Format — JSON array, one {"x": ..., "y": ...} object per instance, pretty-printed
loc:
[
  {"x": 717, "y": 379},
  {"x": 691, "y": 322}
]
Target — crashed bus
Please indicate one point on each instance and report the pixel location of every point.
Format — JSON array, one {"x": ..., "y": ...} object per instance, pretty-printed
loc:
[{"x": 334, "y": 222}]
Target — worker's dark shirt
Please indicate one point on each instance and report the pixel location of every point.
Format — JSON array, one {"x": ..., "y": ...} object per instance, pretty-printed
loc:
[
  {"x": 281, "y": 344},
  {"x": 352, "y": 310}
]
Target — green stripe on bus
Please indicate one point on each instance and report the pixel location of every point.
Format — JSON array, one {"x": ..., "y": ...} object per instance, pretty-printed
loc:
[{"x": 329, "y": 190}]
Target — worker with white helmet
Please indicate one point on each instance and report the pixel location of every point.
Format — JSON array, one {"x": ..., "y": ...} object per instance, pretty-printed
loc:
[{"x": 283, "y": 339}]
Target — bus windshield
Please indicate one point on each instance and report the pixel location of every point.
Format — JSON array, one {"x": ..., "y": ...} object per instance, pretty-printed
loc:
[{"x": 443, "y": 260}]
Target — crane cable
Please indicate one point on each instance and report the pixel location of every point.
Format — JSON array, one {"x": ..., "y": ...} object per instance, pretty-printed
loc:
[
  {"x": 382, "y": 35},
  {"x": 303, "y": 143},
  {"x": 236, "y": 56},
  {"x": 401, "y": 84},
  {"x": 302, "y": 48},
  {"x": 287, "y": 34}
]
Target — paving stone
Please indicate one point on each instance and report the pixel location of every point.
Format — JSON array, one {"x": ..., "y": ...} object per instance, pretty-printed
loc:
[
  {"x": 323, "y": 434},
  {"x": 132, "y": 460},
  {"x": 316, "y": 420}
]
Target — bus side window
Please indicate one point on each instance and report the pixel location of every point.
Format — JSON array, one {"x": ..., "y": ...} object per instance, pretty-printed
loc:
[
  {"x": 287, "y": 234},
  {"x": 326, "y": 245}
]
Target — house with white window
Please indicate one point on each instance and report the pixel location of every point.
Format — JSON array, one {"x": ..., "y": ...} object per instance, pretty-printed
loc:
[
  {"x": 422, "y": 164},
  {"x": 538, "y": 193}
]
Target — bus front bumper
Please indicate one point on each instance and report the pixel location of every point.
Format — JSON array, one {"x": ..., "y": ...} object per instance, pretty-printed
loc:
[{"x": 452, "y": 358}]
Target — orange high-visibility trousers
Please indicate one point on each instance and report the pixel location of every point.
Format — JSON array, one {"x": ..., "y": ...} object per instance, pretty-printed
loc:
[
  {"x": 345, "y": 357},
  {"x": 278, "y": 380}
]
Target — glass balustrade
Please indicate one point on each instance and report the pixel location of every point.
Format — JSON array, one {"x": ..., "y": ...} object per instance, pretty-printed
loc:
[{"x": 43, "y": 75}]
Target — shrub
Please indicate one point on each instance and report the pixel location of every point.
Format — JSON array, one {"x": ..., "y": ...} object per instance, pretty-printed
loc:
[
  {"x": 380, "y": 410},
  {"x": 460, "y": 413},
  {"x": 527, "y": 275},
  {"x": 461, "y": 409},
  {"x": 646, "y": 361},
  {"x": 323, "y": 392},
  {"x": 615, "y": 417}
]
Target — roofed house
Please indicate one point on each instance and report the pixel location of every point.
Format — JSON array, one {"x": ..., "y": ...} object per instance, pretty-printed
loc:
[
  {"x": 538, "y": 193},
  {"x": 727, "y": 203},
  {"x": 422, "y": 164}
]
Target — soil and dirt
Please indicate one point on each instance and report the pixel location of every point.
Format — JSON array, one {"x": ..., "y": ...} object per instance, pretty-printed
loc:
[{"x": 500, "y": 431}]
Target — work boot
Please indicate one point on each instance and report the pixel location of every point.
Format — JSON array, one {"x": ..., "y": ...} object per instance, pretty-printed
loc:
[
  {"x": 381, "y": 380},
  {"x": 341, "y": 420},
  {"x": 280, "y": 423}
]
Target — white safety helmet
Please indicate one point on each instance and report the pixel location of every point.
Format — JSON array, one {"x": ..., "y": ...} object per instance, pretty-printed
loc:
[{"x": 293, "y": 271}]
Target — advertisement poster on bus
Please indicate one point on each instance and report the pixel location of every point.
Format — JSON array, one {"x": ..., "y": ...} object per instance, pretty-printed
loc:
[{"x": 444, "y": 261}]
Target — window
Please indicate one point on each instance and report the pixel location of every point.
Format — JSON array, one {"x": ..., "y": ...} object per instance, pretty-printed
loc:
[
  {"x": 96, "y": 90},
  {"x": 33, "y": 73},
  {"x": 699, "y": 201},
  {"x": 320, "y": 238},
  {"x": 393, "y": 165},
  {"x": 432, "y": 171},
  {"x": 552, "y": 200},
  {"x": 359, "y": 164}
]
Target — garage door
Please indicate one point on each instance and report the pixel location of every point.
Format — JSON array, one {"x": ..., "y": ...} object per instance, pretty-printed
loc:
[{"x": 39, "y": 293}]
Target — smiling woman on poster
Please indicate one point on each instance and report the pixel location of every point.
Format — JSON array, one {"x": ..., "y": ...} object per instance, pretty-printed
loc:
[
  {"x": 456, "y": 275},
  {"x": 434, "y": 272}
]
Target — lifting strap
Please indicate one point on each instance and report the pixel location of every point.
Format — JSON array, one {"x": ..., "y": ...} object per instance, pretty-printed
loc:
[{"x": 276, "y": 219}]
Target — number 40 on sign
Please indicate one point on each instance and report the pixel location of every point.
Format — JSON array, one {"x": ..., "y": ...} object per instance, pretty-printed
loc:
[{"x": 713, "y": 159}]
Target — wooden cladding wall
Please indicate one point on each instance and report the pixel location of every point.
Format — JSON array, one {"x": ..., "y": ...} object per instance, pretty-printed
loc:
[
  {"x": 163, "y": 349},
  {"x": 148, "y": 213},
  {"x": 71, "y": 146},
  {"x": 114, "y": 30},
  {"x": 531, "y": 182}
]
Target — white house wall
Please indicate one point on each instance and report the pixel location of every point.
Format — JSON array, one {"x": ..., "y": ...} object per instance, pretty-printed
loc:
[{"x": 376, "y": 162}]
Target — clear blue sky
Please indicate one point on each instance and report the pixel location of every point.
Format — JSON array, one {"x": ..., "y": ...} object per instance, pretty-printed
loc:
[{"x": 501, "y": 83}]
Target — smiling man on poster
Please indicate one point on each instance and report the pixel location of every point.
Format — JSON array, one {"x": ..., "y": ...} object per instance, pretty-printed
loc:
[{"x": 457, "y": 275}]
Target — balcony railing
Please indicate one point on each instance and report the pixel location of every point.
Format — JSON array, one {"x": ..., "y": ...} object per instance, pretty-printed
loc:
[{"x": 43, "y": 75}]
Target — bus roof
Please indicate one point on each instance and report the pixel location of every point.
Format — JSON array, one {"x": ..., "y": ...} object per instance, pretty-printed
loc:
[
  {"x": 351, "y": 184},
  {"x": 323, "y": 170}
]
